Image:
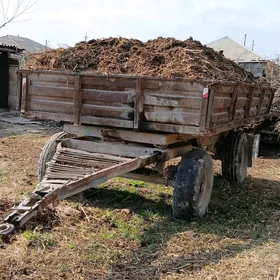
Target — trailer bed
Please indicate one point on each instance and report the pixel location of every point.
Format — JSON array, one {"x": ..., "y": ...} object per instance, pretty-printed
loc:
[{"x": 148, "y": 104}]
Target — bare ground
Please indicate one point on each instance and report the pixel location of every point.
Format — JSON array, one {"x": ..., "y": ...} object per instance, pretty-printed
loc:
[{"x": 125, "y": 229}]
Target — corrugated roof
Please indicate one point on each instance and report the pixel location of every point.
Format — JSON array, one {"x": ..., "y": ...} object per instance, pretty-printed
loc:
[
  {"x": 235, "y": 51},
  {"x": 23, "y": 43},
  {"x": 10, "y": 48}
]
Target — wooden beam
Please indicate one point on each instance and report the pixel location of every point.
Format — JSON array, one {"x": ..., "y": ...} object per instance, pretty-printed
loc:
[
  {"x": 77, "y": 100},
  {"x": 162, "y": 139}
]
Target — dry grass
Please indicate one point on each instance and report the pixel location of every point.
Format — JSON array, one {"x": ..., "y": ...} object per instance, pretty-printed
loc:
[{"x": 125, "y": 230}]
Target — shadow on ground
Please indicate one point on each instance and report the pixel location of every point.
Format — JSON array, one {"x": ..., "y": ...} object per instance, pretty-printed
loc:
[{"x": 244, "y": 213}]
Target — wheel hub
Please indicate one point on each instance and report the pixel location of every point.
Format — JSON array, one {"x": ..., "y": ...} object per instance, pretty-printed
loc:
[{"x": 6, "y": 229}]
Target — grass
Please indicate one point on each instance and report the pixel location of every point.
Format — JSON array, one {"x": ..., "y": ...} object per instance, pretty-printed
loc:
[{"x": 124, "y": 229}]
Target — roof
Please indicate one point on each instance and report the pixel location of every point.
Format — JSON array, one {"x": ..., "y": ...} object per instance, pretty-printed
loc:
[
  {"x": 11, "y": 49},
  {"x": 23, "y": 43},
  {"x": 234, "y": 51}
]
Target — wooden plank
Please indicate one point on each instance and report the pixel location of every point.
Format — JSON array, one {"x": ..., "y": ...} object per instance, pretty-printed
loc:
[
  {"x": 172, "y": 128},
  {"x": 210, "y": 108},
  {"x": 77, "y": 100},
  {"x": 61, "y": 78},
  {"x": 108, "y": 96},
  {"x": 106, "y": 122},
  {"x": 51, "y": 91},
  {"x": 172, "y": 100},
  {"x": 124, "y": 113},
  {"x": 224, "y": 90},
  {"x": 152, "y": 108},
  {"x": 241, "y": 102},
  {"x": 48, "y": 116},
  {"x": 172, "y": 86},
  {"x": 59, "y": 84},
  {"x": 218, "y": 118},
  {"x": 108, "y": 82},
  {"x": 127, "y": 135},
  {"x": 171, "y": 117},
  {"x": 51, "y": 106},
  {"x": 139, "y": 105},
  {"x": 221, "y": 102},
  {"x": 255, "y": 101},
  {"x": 50, "y": 99}
]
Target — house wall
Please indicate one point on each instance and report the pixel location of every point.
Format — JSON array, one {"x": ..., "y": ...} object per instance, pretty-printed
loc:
[{"x": 257, "y": 68}]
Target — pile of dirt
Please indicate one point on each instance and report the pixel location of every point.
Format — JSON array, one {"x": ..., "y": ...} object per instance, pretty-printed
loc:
[{"x": 164, "y": 57}]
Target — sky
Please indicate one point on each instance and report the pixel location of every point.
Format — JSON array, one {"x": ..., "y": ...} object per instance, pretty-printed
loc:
[{"x": 68, "y": 21}]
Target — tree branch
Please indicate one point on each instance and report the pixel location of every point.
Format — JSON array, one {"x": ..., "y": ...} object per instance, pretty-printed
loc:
[{"x": 22, "y": 7}]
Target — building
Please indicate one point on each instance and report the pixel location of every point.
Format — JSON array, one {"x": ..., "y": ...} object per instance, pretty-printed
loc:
[
  {"x": 26, "y": 44},
  {"x": 243, "y": 56},
  {"x": 9, "y": 63}
]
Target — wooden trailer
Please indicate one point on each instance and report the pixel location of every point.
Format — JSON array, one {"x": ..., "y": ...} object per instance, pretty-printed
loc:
[{"x": 116, "y": 124}]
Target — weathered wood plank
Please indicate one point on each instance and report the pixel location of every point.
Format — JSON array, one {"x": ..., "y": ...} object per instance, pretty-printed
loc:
[
  {"x": 49, "y": 116},
  {"x": 51, "y": 106},
  {"x": 221, "y": 102},
  {"x": 125, "y": 113},
  {"x": 173, "y": 100},
  {"x": 107, "y": 83},
  {"x": 108, "y": 96},
  {"x": 183, "y": 129},
  {"x": 173, "y": 117},
  {"x": 138, "y": 137},
  {"x": 50, "y": 91},
  {"x": 106, "y": 122},
  {"x": 51, "y": 77},
  {"x": 172, "y": 86}
]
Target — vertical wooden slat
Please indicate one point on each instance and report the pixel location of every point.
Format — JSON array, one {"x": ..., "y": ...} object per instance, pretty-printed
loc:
[
  {"x": 261, "y": 102},
  {"x": 232, "y": 106},
  {"x": 203, "y": 109},
  {"x": 271, "y": 99},
  {"x": 249, "y": 102},
  {"x": 139, "y": 105},
  {"x": 77, "y": 100},
  {"x": 210, "y": 108}
]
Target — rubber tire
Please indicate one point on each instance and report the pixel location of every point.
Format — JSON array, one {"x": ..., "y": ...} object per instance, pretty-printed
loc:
[
  {"x": 194, "y": 166},
  {"x": 235, "y": 157},
  {"x": 49, "y": 151}
]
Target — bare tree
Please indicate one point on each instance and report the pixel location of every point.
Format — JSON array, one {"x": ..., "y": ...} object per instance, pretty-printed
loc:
[{"x": 13, "y": 12}]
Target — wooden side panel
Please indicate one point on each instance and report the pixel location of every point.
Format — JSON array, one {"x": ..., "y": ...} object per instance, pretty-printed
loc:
[
  {"x": 51, "y": 94},
  {"x": 238, "y": 104},
  {"x": 107, "y": 101},
  {"x": 177, "y": 103}
]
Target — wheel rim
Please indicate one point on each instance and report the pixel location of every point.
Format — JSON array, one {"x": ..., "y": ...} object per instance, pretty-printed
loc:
[
  {"x": 241, "y": 164},
  {"x": 202, "y": 200}
]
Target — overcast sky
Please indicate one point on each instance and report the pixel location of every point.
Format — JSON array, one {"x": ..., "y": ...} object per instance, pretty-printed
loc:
[{"x": 68, "y": 21}]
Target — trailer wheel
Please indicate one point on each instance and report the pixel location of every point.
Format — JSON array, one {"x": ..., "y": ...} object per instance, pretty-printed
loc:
[
  {"x": 235, "y": 157},
  {"x": 48, "y": 152},
  {"x": 193, "y": 185}
]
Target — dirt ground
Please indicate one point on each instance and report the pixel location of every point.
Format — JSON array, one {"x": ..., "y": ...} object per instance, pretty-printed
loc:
[{"x": 124, "y": 229}]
